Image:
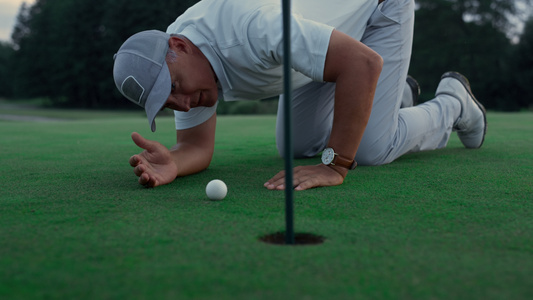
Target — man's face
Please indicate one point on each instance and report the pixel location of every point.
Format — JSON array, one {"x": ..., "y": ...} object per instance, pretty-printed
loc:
[{"x": 193, "y": 81}]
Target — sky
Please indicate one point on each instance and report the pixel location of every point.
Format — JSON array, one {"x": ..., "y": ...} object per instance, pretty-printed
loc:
[{"x": 8, "y": 15}]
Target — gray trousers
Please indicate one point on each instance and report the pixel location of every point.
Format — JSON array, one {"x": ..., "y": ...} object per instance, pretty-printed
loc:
[{"x": 391, "y": 131}]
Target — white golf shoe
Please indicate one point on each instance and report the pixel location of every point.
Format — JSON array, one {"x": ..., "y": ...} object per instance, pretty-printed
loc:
[{"x": 471, "y": 125}]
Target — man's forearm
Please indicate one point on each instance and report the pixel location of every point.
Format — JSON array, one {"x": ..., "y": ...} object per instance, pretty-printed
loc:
[
  {"x": 194, "y": 147},
  {"x": 353, "y": 105},
  {"x": 190, "y": 159},
  {"x": 358, "y": 71}
]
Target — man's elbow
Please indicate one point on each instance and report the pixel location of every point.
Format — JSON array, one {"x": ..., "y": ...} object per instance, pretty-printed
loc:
[{"x": 374, "y": 65}]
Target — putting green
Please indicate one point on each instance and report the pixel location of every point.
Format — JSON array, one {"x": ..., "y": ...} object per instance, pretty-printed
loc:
[{"x": 446, "y": 224}]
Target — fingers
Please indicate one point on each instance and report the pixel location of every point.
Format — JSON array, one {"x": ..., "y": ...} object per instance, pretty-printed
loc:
[
  {"x": 303, "y": 179},
  {"x": 306, "y": 177},
  {"x": 306, "y": 183},
  {"x": 134, "y": 161},
  {"x": 139, "y": 170},
  {"x": 144, "y": 179},
  {"x": 139, "y": 163},
  {"x": 147, "y": 180},
  {"x": 137, "y": 139},
  {"x": 277, "y": 182},
  {"x": 140, "y": 141}
]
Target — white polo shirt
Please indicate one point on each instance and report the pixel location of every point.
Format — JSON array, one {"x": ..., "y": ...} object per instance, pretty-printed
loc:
[{"x": 243, "y": 41}]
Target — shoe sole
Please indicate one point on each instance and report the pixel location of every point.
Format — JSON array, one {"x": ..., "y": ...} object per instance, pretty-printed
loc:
[
  {"x": 415, "y": 88},
  {"x": 464, "y": 81}
]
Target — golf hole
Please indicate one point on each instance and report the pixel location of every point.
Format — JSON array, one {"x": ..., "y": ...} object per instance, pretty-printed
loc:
[{"x": 300, "y": 239}]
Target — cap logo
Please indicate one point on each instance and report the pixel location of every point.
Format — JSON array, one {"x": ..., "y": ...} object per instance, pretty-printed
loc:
[{"x": 132, "y": 89}]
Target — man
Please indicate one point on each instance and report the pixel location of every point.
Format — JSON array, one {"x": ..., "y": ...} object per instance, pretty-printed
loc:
[{"x": 350, "y": 61}]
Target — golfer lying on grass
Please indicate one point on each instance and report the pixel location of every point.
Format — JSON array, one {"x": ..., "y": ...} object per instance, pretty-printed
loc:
[{"x": 350, "y": 62}]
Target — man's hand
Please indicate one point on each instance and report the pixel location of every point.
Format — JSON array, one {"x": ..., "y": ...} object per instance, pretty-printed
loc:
[
  {"x": 306, "y": 177},
  {"x": 155, "y": 165}
]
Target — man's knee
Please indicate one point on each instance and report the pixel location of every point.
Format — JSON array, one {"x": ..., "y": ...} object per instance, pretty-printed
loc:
[
  {"x": 371, "y": 157},
  {"x": 302, "y": 148}
]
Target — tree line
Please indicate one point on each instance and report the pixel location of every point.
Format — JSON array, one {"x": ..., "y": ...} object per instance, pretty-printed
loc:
[{"x": 63, "y": 49}]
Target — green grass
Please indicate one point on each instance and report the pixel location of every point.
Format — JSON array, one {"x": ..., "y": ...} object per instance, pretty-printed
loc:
[
  {"x": 446, "y": 224},
  {"x": 26, "y": 109}
]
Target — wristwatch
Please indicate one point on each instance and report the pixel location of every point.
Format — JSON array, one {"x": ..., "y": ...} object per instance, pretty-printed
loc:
[{"x": 329, "y": 157}]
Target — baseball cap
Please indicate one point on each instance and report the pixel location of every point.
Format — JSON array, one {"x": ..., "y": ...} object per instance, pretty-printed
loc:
[{"x": 141, "y": 73}]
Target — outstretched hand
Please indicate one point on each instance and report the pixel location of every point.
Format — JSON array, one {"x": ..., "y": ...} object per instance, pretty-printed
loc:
[
  {"x": 155, "y": 165},
  {"x": 306, "y": 177}
]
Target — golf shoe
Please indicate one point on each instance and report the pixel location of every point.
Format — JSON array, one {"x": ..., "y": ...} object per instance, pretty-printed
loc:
[{"x": 471, "y": 125}]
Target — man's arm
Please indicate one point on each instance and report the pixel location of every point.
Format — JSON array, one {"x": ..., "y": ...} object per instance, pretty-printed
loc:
[
  {"x": 195, "y": 147},
  {"x": 157, "y": 165},
  {"x": 355, "y": 69}
]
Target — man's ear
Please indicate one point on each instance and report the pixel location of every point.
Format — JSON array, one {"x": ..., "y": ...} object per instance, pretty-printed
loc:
[{"x": 178, "y": 44}]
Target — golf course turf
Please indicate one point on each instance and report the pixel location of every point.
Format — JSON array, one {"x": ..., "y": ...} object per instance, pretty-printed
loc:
[{"x": 75, "y": 224}]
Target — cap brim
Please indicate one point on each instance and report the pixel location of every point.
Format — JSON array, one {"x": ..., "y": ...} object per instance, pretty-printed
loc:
[{"x": 158, "y": 95}]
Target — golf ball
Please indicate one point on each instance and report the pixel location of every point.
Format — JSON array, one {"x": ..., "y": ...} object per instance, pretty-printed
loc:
[{"x": 216, "y": 189}]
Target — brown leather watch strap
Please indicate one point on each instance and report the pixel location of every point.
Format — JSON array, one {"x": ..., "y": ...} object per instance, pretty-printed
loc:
[{"x": 349, "y": 164}]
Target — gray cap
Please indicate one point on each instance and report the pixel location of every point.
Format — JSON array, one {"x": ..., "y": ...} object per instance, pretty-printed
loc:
[{"x": 141, "y": 72}]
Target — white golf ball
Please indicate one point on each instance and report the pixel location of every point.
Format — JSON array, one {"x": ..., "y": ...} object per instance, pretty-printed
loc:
[{"x": 216, "y": 189}]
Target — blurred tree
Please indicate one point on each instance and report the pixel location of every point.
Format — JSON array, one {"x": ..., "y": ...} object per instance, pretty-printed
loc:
[
  {"x": 522, "y": 77},
  {"x": 22, "y": 26},
  {"x": 29, "y": 75},
  {"x": 6, "y": 82},
  {"x": 469, "y": 36},
  {"x": 65, "y": 47}
]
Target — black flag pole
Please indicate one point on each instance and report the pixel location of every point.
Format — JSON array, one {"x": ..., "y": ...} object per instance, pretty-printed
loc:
[{"x": 289, "y": 190}]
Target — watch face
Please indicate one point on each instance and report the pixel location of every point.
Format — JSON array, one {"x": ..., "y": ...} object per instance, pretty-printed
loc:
[{"x": 327, "y": 156}]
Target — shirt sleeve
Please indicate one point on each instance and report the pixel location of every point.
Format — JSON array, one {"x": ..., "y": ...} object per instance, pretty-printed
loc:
[
  {"x": 309, "y": 41},
  {"x": 194, "y": 117}
]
